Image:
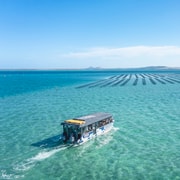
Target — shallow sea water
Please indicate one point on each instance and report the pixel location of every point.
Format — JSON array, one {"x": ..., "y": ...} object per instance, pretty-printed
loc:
[{"x": 144, "y": 143}]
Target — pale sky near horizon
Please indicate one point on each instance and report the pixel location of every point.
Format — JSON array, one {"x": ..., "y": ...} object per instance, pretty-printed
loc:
[{"x": 83, "y": 33}]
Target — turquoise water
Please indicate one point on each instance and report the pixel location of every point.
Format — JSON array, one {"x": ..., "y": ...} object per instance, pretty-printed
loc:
[{"x": 144, "y": 143}]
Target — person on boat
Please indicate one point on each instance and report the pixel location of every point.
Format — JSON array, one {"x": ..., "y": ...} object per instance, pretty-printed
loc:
[{"x": 79, "y": 135}]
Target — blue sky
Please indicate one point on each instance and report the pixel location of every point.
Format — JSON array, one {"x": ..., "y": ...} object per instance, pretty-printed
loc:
[{"x": 83, "y": 33}]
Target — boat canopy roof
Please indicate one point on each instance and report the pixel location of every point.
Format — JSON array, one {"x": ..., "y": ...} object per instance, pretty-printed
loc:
[{"x": 88, "y": 119}]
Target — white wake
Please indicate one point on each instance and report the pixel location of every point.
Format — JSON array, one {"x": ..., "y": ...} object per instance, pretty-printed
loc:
[{"x": 31, "y": 162}]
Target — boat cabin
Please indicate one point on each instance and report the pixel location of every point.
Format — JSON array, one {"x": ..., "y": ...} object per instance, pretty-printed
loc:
[{"x": 80, "y": 129}]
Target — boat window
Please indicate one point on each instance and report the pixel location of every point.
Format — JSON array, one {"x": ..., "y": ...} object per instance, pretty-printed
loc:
[
  {"x": 94, "y": 126},
  {"x": 111, "y": 120},
  {"x": 101, "y": 123},
  {"x": 104, "y": 122},
  {"x": 90, "y": 127}
]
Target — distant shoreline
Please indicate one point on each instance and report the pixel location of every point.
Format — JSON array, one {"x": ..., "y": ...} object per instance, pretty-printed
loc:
[{"x": 149, "y": 68}]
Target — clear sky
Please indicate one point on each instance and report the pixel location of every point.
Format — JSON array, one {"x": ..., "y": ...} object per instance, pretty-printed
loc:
[{"x": 83, "y": 33}]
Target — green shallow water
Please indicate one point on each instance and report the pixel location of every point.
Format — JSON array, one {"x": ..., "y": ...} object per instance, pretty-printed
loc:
[{"x": 144, "y": 144}]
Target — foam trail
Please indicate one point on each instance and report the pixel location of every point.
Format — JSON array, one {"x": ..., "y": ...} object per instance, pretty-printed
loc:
[
  {"x": 103, "y": 141},
  {"x": 5, "y": 175},
  {"x": 29, "y": 163},
  {"x": 115, "y": 128},
  {"x": 44, "y": 155}
]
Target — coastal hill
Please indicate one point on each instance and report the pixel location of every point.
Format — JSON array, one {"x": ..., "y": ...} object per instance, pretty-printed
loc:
[{"x": 148, "y": 68}]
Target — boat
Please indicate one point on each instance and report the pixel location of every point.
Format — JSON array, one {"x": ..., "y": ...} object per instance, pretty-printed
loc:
[{"x": 79, "y": 130}]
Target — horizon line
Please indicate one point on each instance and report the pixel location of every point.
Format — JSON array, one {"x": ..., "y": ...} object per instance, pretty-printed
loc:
[{"x": 91, "y": 68}]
